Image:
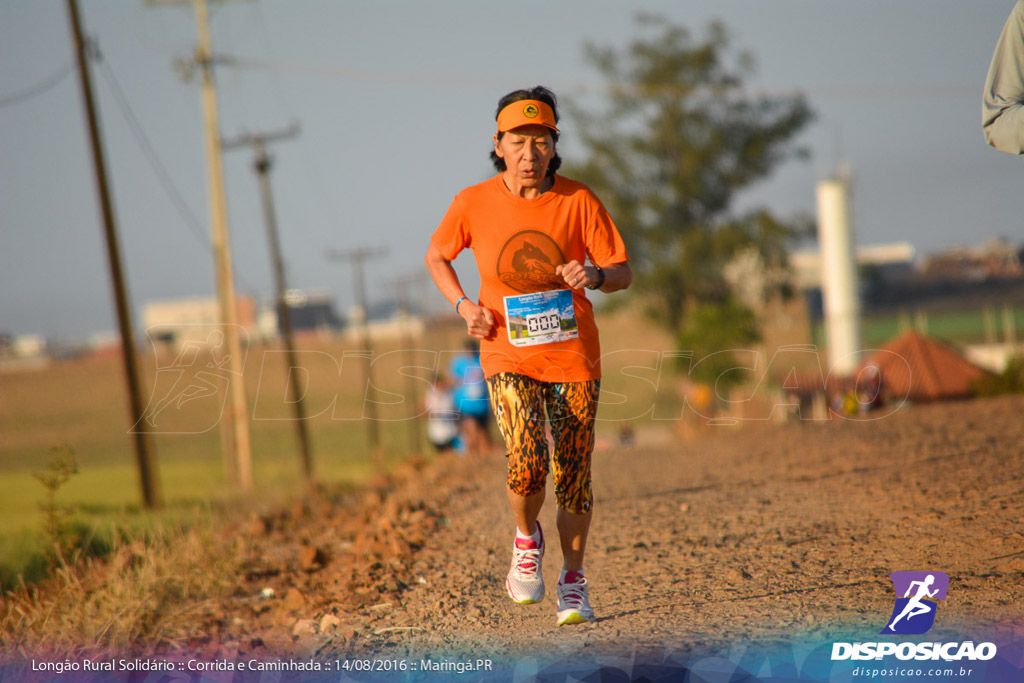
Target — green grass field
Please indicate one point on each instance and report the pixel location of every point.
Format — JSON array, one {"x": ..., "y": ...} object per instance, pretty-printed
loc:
[
  {"x": 80, "y": 405},
  {"x": 956, "y": 327}
]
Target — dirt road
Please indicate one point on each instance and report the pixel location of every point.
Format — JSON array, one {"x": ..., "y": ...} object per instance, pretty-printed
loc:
[{"x": 749, "y": 535}]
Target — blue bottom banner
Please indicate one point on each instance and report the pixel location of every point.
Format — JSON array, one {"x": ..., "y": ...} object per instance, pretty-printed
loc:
[{"x": 965, "y": 660}]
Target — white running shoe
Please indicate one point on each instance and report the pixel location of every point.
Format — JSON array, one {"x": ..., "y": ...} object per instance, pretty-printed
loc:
[
  {"x": 525, "y": 584},
  {"x": 574, "y": 602}
]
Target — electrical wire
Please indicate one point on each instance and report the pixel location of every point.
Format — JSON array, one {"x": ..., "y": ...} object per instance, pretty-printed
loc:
[
  {"x": 163, "y": 176},
  {"x": 26, "y": 94},
  {"x": 403, "y": 77},
  {"x": 355, "y": 74},
  {"x": 313, "y": 174}
]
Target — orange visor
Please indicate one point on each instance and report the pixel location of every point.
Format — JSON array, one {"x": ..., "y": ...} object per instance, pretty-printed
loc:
[{"x": 525, "y": 113}]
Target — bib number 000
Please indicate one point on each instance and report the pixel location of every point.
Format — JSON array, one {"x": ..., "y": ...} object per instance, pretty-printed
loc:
[
  {"x": 543, "y": 323},
  {"x": 541, "y": 318}
]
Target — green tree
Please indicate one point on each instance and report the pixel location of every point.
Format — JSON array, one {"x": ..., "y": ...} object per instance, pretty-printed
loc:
[{"x": 679, "y": 138}]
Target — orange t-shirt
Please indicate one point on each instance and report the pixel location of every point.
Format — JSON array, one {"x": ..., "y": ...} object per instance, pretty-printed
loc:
[{"x": 517, "y": 243}]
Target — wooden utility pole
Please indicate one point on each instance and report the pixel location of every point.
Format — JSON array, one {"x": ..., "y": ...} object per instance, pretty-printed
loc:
[
  {"x": 356, "y": 257},
  {"x": 403, "y": 286},
  {"x": 237, "y": 431},
  {"x": 234, "y": 432},
  {"x": 144, "y": 458},
  {"x": 262, "y": 164}
]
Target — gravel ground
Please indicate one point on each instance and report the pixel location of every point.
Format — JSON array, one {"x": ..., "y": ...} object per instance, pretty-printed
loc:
[{"x": 754, "y": 535}]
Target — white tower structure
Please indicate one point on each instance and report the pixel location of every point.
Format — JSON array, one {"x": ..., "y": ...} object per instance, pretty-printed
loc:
[{"x": 838, "y": 275}]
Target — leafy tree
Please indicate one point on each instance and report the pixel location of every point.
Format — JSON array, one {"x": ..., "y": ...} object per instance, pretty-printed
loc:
[{"x": 679, "y": 138}]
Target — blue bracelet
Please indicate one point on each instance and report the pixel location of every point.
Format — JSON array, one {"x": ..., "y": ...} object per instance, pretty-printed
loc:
[{"x": 465, "y": 298}]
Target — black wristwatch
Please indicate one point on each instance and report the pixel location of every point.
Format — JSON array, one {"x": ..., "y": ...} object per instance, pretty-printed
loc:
[{"x": 600, "y": 278}]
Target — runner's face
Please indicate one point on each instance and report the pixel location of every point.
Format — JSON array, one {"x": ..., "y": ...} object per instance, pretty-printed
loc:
[{"x": 527, "y": 151}]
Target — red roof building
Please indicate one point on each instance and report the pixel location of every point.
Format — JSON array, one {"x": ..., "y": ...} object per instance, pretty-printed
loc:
[{"x": 921, "y": 368}]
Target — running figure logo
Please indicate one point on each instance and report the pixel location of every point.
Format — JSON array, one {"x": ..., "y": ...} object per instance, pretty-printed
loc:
[
  {"x": 189, "y": 393},
  {"x": 914, "y": 612}
]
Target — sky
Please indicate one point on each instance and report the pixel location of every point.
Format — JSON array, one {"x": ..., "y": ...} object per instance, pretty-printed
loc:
[{"x": 395, "y": 105}]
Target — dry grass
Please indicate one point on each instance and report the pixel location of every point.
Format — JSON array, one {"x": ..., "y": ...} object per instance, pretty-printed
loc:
[
  {"x": 79, "y": 405},
  {"x": 161, "y": 573},
  {"x": 159, "y": 580},
  {"x": 147, "y": 594}
]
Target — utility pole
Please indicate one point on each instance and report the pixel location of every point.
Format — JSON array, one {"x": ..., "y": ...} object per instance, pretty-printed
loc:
[
  {"x": 235, "y": 432},
  {"x": 402, "y": 288},
  {"x": 262, "y": 164},
  {"x": 356, "y": 257},
  {"x": 144, "y": 457}
]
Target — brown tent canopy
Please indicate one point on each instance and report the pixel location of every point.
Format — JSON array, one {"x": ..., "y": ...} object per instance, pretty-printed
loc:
[{"x": 923, "y": 369}]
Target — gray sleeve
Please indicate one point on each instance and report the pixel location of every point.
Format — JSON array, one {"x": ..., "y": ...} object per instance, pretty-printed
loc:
[{"x": 1002, "y": 106}]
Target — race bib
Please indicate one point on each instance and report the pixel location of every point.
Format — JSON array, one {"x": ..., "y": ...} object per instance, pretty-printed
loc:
[{"x": 540, "y": 318}]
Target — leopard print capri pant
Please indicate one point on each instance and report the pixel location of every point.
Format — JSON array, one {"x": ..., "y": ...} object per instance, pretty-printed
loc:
[{"x": 523, "y": 407}]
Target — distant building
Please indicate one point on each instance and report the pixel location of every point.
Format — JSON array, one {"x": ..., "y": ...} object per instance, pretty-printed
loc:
[
  {"x": 892, "y": 262},
  {"x": 881, "y": 266},
  {"x": 172, "y": 323},
  {"x": 311, "y": 312},
  {"x": 963, "y": 288},
  {"x": 956, "y": 279},
  {"x": 385, "y": 320},
  {"x": 104, "y": 344},
  {"x": 28, "y": 346},
  {"x": 28, "y": 351},
  {"x": 921, "y": 368},
  {"x": 996, "y": 258}
]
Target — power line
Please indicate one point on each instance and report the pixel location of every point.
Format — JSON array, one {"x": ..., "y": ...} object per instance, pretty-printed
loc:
[
  {"x": 356, "y": 74},
  {"x": 195, "y": 227},
  {"x": 310, "y": 167},
  {"x": 150, "y": 153},
  {"x": 26, "y": 94},
  {"x": 852, "y": 91}
]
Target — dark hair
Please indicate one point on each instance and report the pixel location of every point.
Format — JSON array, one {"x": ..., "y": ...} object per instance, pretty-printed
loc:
[{"x": 537, "y": 93}]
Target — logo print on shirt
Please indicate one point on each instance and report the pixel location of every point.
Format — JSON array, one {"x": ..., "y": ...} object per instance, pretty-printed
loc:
[
  {"x": 527, "y": 262},
  {"x": 916, "y": 601}
]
